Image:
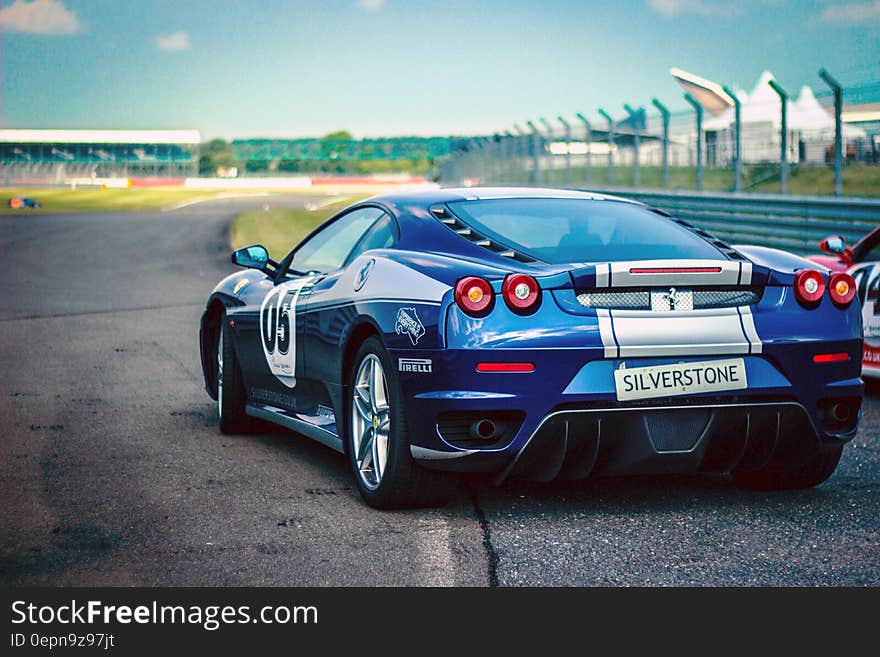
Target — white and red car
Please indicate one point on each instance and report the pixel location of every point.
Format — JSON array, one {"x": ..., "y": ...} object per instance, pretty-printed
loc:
[{"x": 862, "y": 262}]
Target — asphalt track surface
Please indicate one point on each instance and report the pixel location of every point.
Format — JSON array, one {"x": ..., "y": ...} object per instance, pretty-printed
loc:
[{"x": 113, "y": 471}]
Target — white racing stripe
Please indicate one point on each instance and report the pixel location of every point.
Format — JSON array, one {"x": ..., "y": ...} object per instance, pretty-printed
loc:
[
  {"x": 748, "y": 323},
  {"x": 387, "y": 280},
  {"x": 631, "y": 333},
  {"x": 606, "y": 331}
]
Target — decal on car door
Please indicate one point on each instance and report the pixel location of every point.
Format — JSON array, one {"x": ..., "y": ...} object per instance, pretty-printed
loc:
[{"x": 278, "y": 329}]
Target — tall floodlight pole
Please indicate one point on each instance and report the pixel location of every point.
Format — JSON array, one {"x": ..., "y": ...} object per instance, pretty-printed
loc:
[
  {"x": 588, "y": 140},
  {"x": 699, "y": 110},
  {"x": 522, "y": 150},
  {"x": 536, "y": 136},
  {"x": 608, "y": 118},
  {"x": 838, "y": 129},
  {"x": 637, "y": 177},
  {"x": 664, "y": 113},
  {"x": 550, "y": 171},
  {"x": 567, "y": 126},
  {"x": 783, "y": 133},
  {"x": 737, "y": 144}
]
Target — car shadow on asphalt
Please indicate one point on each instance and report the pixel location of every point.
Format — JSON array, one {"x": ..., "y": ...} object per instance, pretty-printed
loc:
[
  {"x": 327, "y": 462},
  {"x": 630, "y": 494},
  {"x": 648, "y": 495}
]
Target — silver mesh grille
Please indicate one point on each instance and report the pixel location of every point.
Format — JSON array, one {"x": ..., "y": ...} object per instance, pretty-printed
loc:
[
  {"x": 726, "y": 298},
  {"x": 670, "y": 299},
  {"x": 616, "y": 300}
]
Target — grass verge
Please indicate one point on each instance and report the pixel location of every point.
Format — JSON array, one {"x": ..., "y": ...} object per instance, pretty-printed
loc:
[
  {"x": 806, "y": 180},
  {"x": 101, "y": 200},
  {"x": 280, "y": 229}
]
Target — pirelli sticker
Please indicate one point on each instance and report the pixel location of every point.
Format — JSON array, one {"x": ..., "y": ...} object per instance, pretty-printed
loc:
[{"x": 415, "y": 365}]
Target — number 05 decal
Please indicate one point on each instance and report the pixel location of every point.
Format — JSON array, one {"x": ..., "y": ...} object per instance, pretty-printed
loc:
[{"x": 278, "y": 329}]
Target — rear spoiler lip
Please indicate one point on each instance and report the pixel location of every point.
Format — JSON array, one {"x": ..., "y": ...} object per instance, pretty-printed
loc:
[{"x": 662, "y": 273}]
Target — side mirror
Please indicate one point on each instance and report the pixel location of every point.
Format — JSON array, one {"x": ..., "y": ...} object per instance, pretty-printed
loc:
[
  {"x": 834, "y": 244},
  {"x": 252, "y": 257}
]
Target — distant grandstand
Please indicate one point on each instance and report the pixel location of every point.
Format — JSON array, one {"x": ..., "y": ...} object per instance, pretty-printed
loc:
[
  {"x": 56, "y": 156},
  {"x": 339, "y": 155}
]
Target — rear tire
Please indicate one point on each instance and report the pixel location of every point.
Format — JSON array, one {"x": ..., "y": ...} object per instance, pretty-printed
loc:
[
  {"x": 806, "y": 475},
  {"x": 231, "y": 397},
  {"x": 400, "y": 482}
]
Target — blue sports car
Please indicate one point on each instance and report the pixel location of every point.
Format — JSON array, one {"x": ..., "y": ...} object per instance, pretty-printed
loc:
[{"x": 537, "y": 333}]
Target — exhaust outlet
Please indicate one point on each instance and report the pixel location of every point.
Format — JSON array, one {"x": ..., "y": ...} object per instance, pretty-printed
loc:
[
  {"x": 841, "y": 412},
  {"x": 483, "y": 430}
]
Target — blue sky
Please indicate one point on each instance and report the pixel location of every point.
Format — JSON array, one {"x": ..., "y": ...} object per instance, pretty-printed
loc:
[{"x": 306, "y": 67}]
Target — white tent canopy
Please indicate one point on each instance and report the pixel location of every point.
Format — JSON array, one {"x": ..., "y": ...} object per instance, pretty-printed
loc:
[
  {"x": 809, "y": 115},
  {"x": 763, "y": 105}
]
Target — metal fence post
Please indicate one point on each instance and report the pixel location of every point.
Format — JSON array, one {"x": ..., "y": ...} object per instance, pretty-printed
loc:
[
  {"x": 838, "y": 130},
  {"x": 547, "y": 154},
  {"x": 588, "y": 156},
  {"x": 783, "y": 133},
  {"x": 608, "y": 118},
  {"x": 509, "y": 154},
  {"x": 536, "y": 164},
  {"x": 491, "y": 159},
  {"x": 637, "y": 176},
  {"x": 482, "y": 173},
  {"x": 664, "y": 112},
  {"x": 699, "y": 110},
  {"x": 567, "y": 127},
  {"x": 522, "y": 151},
  {"x": 497, "y": 157},
  {"x": 737, "y": 145},
  {"x": 467, "y": 169}
]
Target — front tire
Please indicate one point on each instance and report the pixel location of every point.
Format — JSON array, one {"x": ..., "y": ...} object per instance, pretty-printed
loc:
[
  {"x": 231, "y": 397},
  {"x": 377, "y": 438}
]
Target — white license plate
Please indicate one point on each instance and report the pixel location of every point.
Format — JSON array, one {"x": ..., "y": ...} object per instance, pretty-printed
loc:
[{"x": 680, "y": 379}]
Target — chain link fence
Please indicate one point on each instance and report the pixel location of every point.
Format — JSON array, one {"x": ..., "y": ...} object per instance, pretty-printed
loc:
[{"x": 769, "y": 141}]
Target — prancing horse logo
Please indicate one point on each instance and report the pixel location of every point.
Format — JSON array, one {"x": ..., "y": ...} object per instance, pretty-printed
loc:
[{"x": 671, "y": 297}]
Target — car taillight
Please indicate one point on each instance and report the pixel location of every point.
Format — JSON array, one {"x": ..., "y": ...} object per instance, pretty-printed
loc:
[
  {"x": 521, "y": 293},
  {"x": 474, "y": 295},
  {"x": 809, "y": 286},
  {"x": 842, "y": 288}
]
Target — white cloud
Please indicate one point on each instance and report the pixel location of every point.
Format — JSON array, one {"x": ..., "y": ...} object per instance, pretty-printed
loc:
[
  {"x": 851, "y": 13},
  {"x": 173, "y": 42},
  {"x": 704, "y": 7},
  {"x": 39, "y": 17},
  {"x": 371, "y": 5},
  {"x": 673, "y": 7}
]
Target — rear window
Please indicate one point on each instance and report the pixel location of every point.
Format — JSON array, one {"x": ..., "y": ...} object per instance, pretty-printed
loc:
[{"x": 580, "y": 230}]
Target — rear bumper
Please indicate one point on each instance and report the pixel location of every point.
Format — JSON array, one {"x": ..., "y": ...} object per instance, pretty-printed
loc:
[
  {"x": 571, "y": 424},
  {"x": 573, "y": 444}
]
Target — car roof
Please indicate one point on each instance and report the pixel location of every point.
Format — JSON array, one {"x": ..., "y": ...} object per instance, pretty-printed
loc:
[{"x": 428, "y": 197}]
